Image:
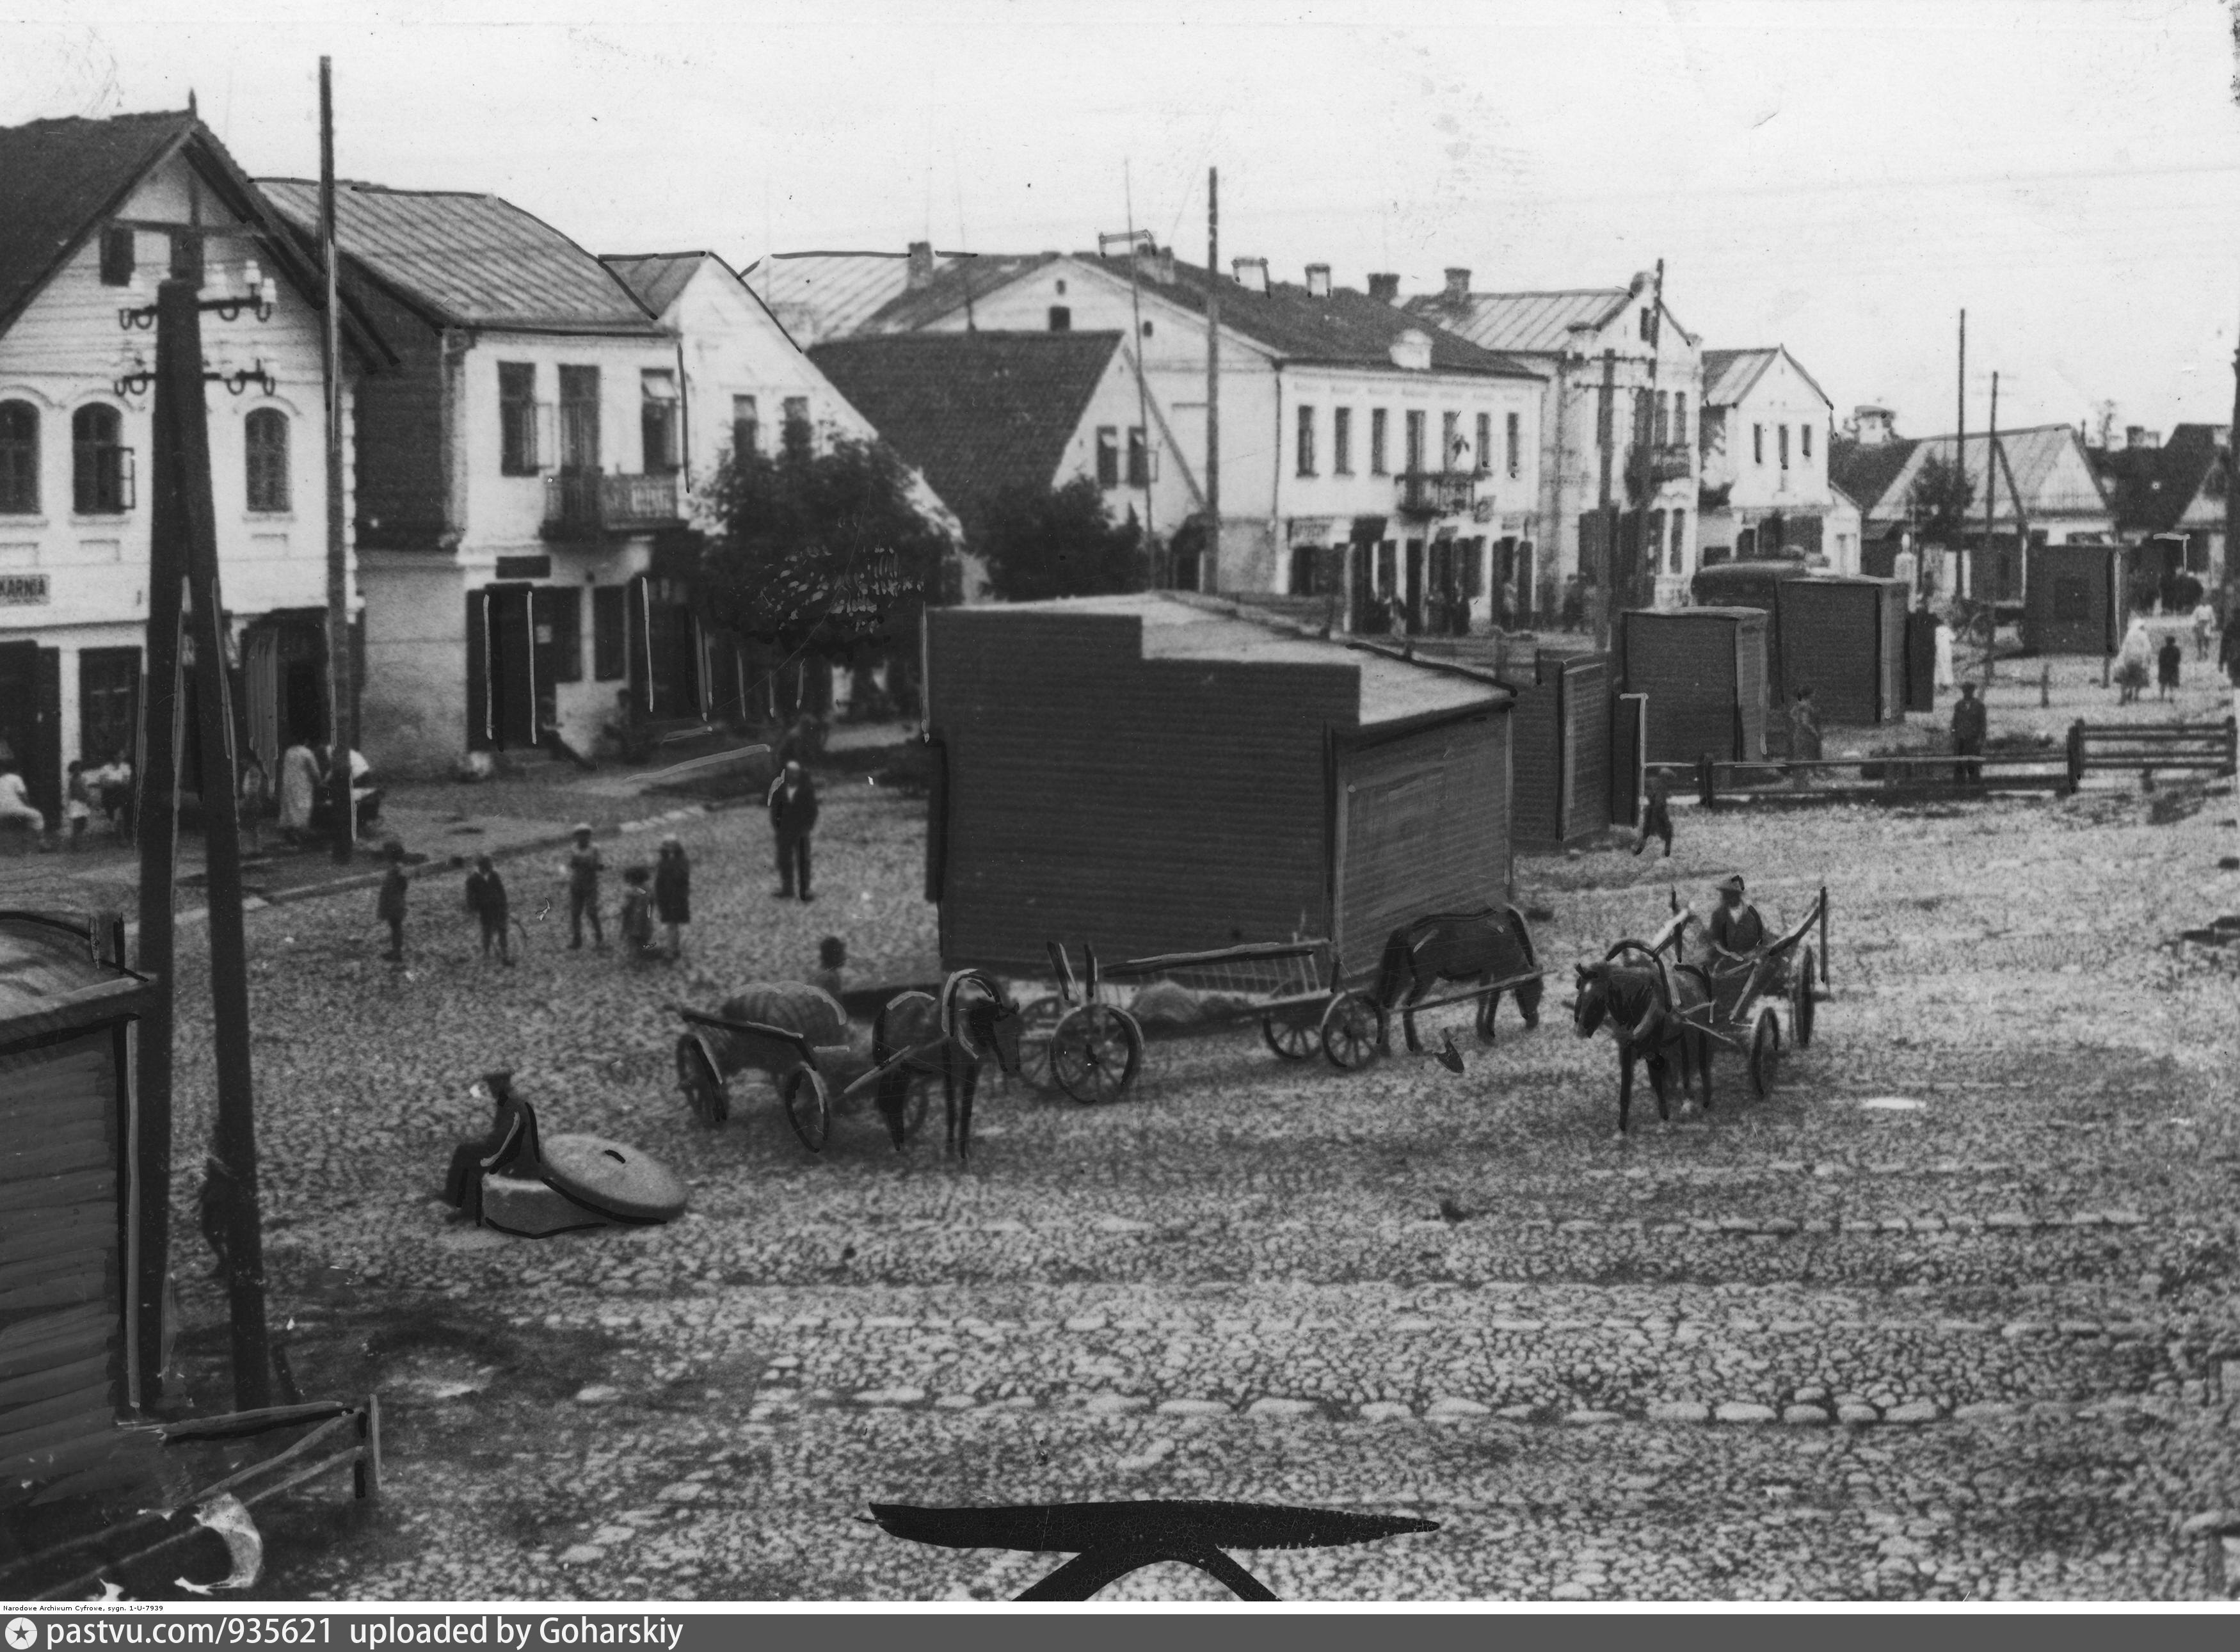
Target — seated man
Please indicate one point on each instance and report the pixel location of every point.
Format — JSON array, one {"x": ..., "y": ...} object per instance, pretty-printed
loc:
[{"x": 1737, "y": 932}]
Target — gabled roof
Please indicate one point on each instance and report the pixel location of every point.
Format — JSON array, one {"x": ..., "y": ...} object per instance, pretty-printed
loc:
[
  {"x": 831, "y": 295},
  {"x": 1729, "y": 375},
  {"x": 61, "y": 179},
  {"x": 2034, "y": 455},
  {"x": 1530, "y": 324},
  {"x": 973, "y": 412},
  {"x": 958, "y": 276},
  {"x": 2153, "y": 487},
  {"x": 460, "y": 259},
  {"x": 657, "y": 277},
  {"x": 1865, "y": 470}
]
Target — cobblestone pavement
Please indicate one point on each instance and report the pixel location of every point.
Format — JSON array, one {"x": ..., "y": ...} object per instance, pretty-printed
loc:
[{"x": 1821, "y": 1345}]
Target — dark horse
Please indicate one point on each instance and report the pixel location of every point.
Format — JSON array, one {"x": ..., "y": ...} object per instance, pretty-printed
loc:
[
  {"x": 1477, "y": 947},
  {"x": 949, "y": 1036},
  {"x": 1654, "y": 1009}
]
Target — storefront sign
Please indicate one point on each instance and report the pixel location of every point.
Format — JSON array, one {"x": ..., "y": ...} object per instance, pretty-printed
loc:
[
  {"x": 1312, "y": 530},
  {"x": 22, "y": 590}
]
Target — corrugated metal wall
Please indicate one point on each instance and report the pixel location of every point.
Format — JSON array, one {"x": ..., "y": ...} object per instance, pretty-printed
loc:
[
  {"x": 1698, "y": 668},
  {"x": 1537, "y": 745},
  {"x": 1426, "y": 829},
  {"x": 1586, "y": 681},
  {"x": 1890, "y": 636},
  {"x": 1831, "y": 639}
]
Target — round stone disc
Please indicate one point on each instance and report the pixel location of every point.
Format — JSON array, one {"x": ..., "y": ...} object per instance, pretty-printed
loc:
[{"x": 614, "y": 1180}]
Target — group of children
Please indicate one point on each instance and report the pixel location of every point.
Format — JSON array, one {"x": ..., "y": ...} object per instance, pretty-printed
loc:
[{"x": 663, "y": 891}]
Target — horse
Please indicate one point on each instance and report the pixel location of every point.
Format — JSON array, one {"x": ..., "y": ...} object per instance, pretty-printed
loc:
[
  {"x": 1648, "y": 1006},
  {"x": 1457, "y": 946},
  {"x": 950, "y": 1036}
]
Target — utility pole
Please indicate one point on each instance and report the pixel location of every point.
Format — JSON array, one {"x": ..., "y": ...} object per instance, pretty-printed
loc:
[
  {"x": 1963, "y": 567},
  {"x": 1645, "y": 568},
  {"x": 1990, "y": 505},
  {"x": 1135, "y": 349},
  {"x": 2231, "y": 605},
  {"x": 1606, "y": 569},
  {"x": 342, "y": 702},
  {"x": 1210, "y": 558}
]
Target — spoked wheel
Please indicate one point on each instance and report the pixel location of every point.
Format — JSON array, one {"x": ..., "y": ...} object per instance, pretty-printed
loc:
[
  {"x": 1353, "y": 1030},
  {"x": 808, "y": 1106},
  {"x": 1800, "y": 1004},
  {"x": 1096, "y": 1053},
  {"x": 1039, "y": 1026},
  {"x": 704, "y": 1090},
  {"x": 1765, "y": 1052},
  {"x": 1291, "y": 1037}
]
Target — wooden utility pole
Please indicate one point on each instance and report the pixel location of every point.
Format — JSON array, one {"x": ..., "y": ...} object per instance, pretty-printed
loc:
[
  {"x": 1209, "y": 566},
  {"x": 341, "y": 700},
  {"x": 1964, "y": 566},
  {"x": 1645, "y": 566},
  {"x": 2231, "y": 604},
  {"x": 1606, "y": 560},
  {"x": 1990, "y": 505},
  {"x": 1135, "y": 349}
]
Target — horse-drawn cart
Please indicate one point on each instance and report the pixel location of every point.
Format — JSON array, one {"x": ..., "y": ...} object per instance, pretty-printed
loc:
[
  {"x": 713, "y": 1049},
  {"x": 1747, "y": 987}
]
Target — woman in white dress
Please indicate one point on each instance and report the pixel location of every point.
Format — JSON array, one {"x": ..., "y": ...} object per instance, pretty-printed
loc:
[{"x": 299, "y": 785}]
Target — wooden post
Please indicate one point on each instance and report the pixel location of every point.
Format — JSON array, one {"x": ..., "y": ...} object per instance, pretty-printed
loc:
[
  {"x": 341, "y": 700},
  {"x": 1209, "y": 564},
  {"x": 1605, "y": 433},
  {"x": 1990, "y": 503},
  {"x": 2076, "y": 756},
  {"x": 2231, "y": 613}
]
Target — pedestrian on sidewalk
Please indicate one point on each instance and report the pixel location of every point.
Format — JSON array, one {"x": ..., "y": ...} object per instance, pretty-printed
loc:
[
  {"x": 2170, "y": 658},
  {"x": 299, "y": 789},
  {"x": 77, "y": 805},
  {"x": 15, "y": 802},
  {"x": 2205, "y": 621},
  {"x": 1656, "y": 814},
  {"x": 254, "y": 789},
  {"x": 636, "y": 923},
  {"x": 584, "y": 865},
  {"x": 1970, "y": 723},
  {"x": 486, "y": 900},
  {"x": 672, "y": 892},
  {"x": 389, "y": 906},
  {"x": 793, "y": 818}
]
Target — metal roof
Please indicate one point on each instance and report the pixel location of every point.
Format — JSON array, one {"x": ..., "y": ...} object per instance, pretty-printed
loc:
[
  {"x": 657, "y": 277},
  {"x": 50, "y": 982},
  {"x": 817, "y": 296},
  {"x": 1179, "y": 626},
  {"x": 2035, "y": 455},
  {"x": 1730, "y": 374},
  {"x": 468, "y": 260},
  {"x": 1522, "y": 322}
]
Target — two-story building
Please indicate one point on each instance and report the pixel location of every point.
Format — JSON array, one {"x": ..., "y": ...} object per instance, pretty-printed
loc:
[
  {"x": 513, "y": 473},
  {"x": 2169, "y": 498},
  {"x": 77, "y": 348},
  {"x": 1763, "y": 488},
  {"x": 1622, "y": 383},
  {"x": 1366, "y": 457}
]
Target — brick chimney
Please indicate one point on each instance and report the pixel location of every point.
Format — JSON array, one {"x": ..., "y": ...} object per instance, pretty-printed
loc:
[
  {"x": 921, "y": 265},
  {"x": 1318, "y": 281},
  {"x": 1251, "y": 273},
  {"x": 1384, "y": 287},
  {"x": 1457, "y": 284}
]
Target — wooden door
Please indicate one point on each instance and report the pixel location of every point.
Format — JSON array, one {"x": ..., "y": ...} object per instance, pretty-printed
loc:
[
  {"x": 1413, "y": 595},
  {"x": 510, "y": 664}
]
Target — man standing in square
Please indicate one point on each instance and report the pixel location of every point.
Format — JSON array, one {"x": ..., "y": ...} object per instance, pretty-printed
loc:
[{"x": 793, "y": 816}]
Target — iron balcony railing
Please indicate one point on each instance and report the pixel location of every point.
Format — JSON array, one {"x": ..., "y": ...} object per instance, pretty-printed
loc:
[
  {"x": 1436, "y": 493},
  {"x": 588, "y": 502},
  {"x": 1675, "y": 462}
]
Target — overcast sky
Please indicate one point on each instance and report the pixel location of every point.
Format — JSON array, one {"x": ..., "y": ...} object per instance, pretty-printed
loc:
[{"x": 1842, "y": 178}]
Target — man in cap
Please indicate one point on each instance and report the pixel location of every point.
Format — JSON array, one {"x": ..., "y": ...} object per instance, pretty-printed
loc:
[{"x": 1737, "y": 929}]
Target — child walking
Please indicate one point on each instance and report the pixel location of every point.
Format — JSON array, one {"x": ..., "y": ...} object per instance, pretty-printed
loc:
[
  {"x": 672, "y": 892},
  {"x": 637, "y": 915},
  {"x": 584, "y": 865},
  {"x": 486, "y": 900},
  {"x": 389, "y": 906}
]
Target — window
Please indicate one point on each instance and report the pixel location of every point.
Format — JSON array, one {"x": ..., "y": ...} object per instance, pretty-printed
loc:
[
  {"x": 101, "y": 467},
  {"x": 1663, "y": 417},
  {"x": 1679, "y": 539},
  {"x": 1378, "y": 465},
  {"x": 1473, "y": 565},
  {"x": 19, "y": 457},
  {"x": 1139, "y": 458},
  {"x": 1782, "y": 431},
  {"x": 108, "y": 703},
  {"x": 1415, "y": 440},
  {"x": 1758, "y": 445},
  {"x": 798, "y": 435},
  {"x": 1516, "y": 445},
  {"x": 1653, "y": 550},
  {"x": 1061, "y": 287},
  {"x": 1649, "y": 326},
  {"x": 1147, "y": 330},
  {"x": 1679, "y": 418},
  {"x": 1342, "y": 441},
  {"x": 1484, "y": 444},
  {"x": 1061, "y": 319},
  {"x": 516, "y": 418},
  {"x": 746, "y": 427},
  {"x": 116, "y": 258},
  {"x": 264, "y": 434},
  {"x": 1804, "y": 436},
  {"x": 579, "y": 419},
  {"x": 609, "y": 650},
  {"x": 657, "y": 421},
  {"x": 1450, "y": 440},
  {"x": 560, "y": 631},
  {"x": 1108, "y": 456},
  {"x": 1306, "y": 441}
]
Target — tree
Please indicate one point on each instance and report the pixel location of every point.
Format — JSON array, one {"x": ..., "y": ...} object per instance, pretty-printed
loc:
[
  {"x": 825, "y": 555},
  {"x": 1041, "y": 542},
  {"x": 1940, "y": 498}
]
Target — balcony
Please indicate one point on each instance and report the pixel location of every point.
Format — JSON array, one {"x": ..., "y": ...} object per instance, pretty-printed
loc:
[
  {"x": 1436, "y": 493},
  {"x": 585, "y": 505},
  {"x": 1675, "y": 462}
]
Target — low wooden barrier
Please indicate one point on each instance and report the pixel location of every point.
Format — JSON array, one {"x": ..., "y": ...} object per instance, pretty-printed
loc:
[{"x": 2132, "y": 748}]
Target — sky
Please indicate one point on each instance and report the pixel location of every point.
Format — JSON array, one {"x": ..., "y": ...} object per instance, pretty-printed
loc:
[{"x": 1840, "y": 178}]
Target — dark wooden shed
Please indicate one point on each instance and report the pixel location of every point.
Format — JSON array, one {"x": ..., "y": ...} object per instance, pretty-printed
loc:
[
  {"x": 67, "y": 1196},
  {"x": 1704, "y": 672},
  {"x": 1159, "y": 773},
  {"x": 2075, "y": 599},
  {"x": 1845, "y": 637},
  {"x": 1561, "y": 736}
]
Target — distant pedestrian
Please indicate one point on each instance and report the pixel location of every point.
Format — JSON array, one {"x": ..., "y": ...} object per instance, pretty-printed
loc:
[
  {"x": 2170, "y": 658},
  {"x": 389, "y": 906},
  {"x": 1804, "y": 728},
  {"x": 2205, "y": 621},
  {"x": 793, "y": 818},
  {"x": 584, "y": 865},
  {"x": 637, "y": 921},
  {"x": 77, "y": 804},
  {"x": 256, "y": 788},
  {"x": 1970, "y": 723},
  {"x": 1656, "y": 814},
  {"x": 486, "y": 900},
  {"x": 832, "y": 975},
  {"x": 672, "y": 892},
  {"x": 15, "y": 802},
  {"x": 299, "y": 789},
  {"x": 1944, "y": 673}
]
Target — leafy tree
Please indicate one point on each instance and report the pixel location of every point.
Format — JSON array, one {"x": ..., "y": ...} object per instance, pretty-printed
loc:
[
  {"x": 1041, "y": 542},
  {"x": 822, "y": 554},
  {"x": 1940, "y": 498}
]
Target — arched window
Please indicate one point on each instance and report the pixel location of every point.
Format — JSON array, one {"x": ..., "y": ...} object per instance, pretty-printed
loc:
[
  {"x": 100, "y": 466},
  {"x": 19, "y": 457},
  {"x": 266, "y": 430}
]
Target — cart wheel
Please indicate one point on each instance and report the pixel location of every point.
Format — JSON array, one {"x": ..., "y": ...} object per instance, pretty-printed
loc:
[
  {"x": 1096, "y": 1052},
  {"x": 1800, "y": 1004},
  {"x": 1353, "y": 1028},
  {"x": 808, "y": 1106},
  {"x": 1765, "y": 1052},
  {"x": 704, "y": 1090},
  {"x": 1040, "y": 1021},
  {"x": 1290, "y": 1037}
]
